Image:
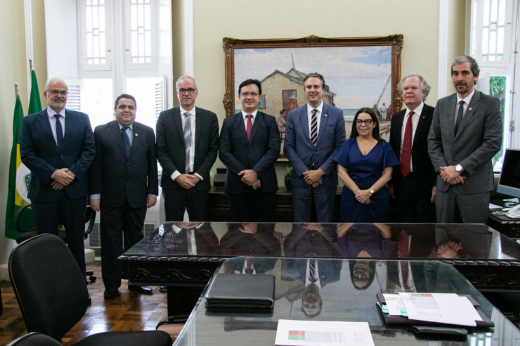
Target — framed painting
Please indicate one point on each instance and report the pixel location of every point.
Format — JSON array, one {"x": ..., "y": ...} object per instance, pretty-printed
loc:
[{"x": 358, "y": 72}]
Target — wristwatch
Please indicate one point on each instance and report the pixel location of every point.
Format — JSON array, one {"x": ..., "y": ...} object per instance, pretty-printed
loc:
[
  {"x": 371, "y": 191},
  {"x": 459, "y": 168}
]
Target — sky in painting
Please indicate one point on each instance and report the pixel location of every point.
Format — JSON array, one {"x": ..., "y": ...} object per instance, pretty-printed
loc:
[{"x": 357, "y": 75}]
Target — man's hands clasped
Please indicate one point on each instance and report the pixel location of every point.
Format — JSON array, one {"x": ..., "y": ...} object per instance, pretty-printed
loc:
[
  {"x": 62, "y": 177},
  {"x": 450, "y": 175},
  {"x": 250, "y": 178}
]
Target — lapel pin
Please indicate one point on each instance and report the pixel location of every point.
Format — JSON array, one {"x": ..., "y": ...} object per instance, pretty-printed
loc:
[
  {"x": 136, "y": 134},
  {"x": 470, "y": 109},
  {"x": 325, "y": 114}
]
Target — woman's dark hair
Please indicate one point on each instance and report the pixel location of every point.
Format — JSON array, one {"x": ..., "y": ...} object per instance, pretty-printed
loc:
[
  {"x": 375, "y": 133},
  {"x": 371, "y": 265}
]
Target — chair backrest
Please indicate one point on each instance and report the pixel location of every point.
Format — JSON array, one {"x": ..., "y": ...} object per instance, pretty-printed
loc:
[
  {"x": 48, "y": 284},
  {"x": 34, "y": 339}
]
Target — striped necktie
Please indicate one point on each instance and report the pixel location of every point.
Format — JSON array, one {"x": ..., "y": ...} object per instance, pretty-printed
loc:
[{"x": 314, "y": 127}]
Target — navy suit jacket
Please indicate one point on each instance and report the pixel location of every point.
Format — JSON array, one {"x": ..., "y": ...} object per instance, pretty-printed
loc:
[
  {"x": 259, "y": 153},
  {"x": 41, "y": 155},
  {"x": 302, "y": 154},
  {"x": 118, "y": 178}
]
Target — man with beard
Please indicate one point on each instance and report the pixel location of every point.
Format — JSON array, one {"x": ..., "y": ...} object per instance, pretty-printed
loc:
[
  {"x": 57, "y": 145},
  {"x": 466, "y": 133}
]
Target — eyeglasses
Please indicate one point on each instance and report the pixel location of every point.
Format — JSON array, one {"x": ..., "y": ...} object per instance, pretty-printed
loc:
[
  {"x": 184, "y": 91},
  {"x": 56, "y": 92},
  {"x": 367, "y": 122},
  {"x": 250, "y": 94}
]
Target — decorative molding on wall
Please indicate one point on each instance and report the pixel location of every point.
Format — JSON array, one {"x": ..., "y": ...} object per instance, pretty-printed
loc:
[
  {"x": 27, "y": 7},
  {"x": 443, "y": 48},
  {"x": 188, "y": 39}
]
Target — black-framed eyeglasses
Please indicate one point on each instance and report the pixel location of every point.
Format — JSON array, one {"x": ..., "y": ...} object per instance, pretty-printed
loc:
[
  {"x": 184, "y": 91},
  {"x": 247, "y": 94},
  {"x": 367, "y": 122},
  {"x": 56, "y": 92}
]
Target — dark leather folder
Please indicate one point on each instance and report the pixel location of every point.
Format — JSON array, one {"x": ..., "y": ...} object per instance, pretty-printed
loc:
[
  {"x": 486, "y": 322},
  {"x": 233, "y": 291}
]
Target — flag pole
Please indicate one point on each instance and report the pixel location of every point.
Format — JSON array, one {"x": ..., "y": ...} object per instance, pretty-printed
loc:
[{"x": 16, "y": 89}]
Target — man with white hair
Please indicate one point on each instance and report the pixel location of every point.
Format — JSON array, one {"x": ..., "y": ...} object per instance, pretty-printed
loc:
[
  {"x": 413, "y": 184},
  {"x": 57, "y": 145},
  {"x": 187, "y": 147}
]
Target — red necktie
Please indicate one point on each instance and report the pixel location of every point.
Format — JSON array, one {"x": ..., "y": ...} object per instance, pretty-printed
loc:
[
  {"x": 404, "y": 253},
  {"x": 249, "y": 126},
  {"x": 249, "y": 265},
  {"x": 407, "y": 146}
]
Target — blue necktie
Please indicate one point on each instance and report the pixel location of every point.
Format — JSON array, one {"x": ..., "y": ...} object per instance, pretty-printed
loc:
[
  {"x": 126, "y": 141},
  {"x": 59, "y": 131},
  {"x": 460, "y": 115}
]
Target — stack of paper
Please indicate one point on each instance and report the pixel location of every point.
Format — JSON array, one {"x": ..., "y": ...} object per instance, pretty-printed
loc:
[{"x": 447, "y": 308}]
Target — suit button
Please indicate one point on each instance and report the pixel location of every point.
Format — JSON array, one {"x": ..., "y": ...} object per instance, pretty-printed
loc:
[
  {"x": 127, "y": 179},
  {"x": 61, "y": 155},
  {"x": 128, "y": 163}
]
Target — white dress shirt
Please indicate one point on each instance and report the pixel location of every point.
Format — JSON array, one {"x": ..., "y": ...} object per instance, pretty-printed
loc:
[
  {"x": 415, "y": 121},
  {"x": 190, "y": 234},
  {"x": 252, "y": 119},
  {"x": 465, "y": 105},
  {"x": 192, "y": 151},
  {"x": 52, "y": 120},
  {"x": 318, "y": 116}
]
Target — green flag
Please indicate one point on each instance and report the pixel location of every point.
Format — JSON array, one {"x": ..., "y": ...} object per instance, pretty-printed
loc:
[
  {"x": 19, "y": 177},
  {"x": 35, "y": 105}
]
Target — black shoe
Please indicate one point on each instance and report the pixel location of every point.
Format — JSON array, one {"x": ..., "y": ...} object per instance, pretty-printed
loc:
[
  {"x": 111, "y": 293},
  {"x": 163, "y": 289},
  {"x": 140, "y": 289}
]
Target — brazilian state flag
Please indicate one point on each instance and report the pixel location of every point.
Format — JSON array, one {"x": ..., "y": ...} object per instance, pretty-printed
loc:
[
  {"x": 14, "y": 200},
  {"x": 19, "y": 174}
]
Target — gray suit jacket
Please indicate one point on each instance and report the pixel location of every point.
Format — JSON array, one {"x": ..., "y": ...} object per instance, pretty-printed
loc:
[
  {"x": 171, "y": 150},
  {"x": 479, "y": 138}
]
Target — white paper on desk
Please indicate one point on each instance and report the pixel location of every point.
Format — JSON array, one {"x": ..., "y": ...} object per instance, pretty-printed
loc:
[
  {"x": 315, "y": 333},
  {"x": 446, "y": 308},
  {"x": 471, "y": 309},
  {"x": 393, "y": 303}
]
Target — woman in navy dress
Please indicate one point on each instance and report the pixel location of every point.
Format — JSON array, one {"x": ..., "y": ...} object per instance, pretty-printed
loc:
[{"x": 365, "y": 164}]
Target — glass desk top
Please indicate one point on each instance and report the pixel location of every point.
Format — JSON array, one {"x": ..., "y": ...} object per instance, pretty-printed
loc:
[
  {"x": 346, "y": 291},
  {"x": 471, "y": 243}
]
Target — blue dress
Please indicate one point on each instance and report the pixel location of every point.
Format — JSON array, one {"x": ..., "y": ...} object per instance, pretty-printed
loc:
[
  {"x": 365, "y": 171},
  {"x": 364, "y": 237}
]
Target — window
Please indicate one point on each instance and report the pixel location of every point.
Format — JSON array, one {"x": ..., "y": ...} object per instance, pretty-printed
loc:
[{"x": 491, "y": 42}]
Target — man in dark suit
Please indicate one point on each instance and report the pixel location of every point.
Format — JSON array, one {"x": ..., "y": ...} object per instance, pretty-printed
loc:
[
  {"x": 123, "y": 183},
  {"x": 313, "y": 135},
  {"x": 249, "y": 147},
  {"x": 187, "y": 146},
  {"x": 466, "y": 133},
  {"x": 413, "y": 184},
  {"x": 57, "y": 145}
]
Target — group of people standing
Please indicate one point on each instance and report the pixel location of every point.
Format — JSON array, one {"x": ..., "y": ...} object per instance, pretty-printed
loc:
[{"x": 442, "y": 156}]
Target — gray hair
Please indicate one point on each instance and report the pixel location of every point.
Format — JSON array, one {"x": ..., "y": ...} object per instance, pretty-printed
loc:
[
  {"x": 472, "y": 62},
  {"x": 424, "y": 84},
  {"x": 59, "y": 80},
  {"x": 181, "y": 78},
  {"x": 315, "y": 75}
]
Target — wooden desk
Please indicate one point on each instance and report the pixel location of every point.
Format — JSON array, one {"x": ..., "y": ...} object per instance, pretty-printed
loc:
[{"x": 489, "y": 260}]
